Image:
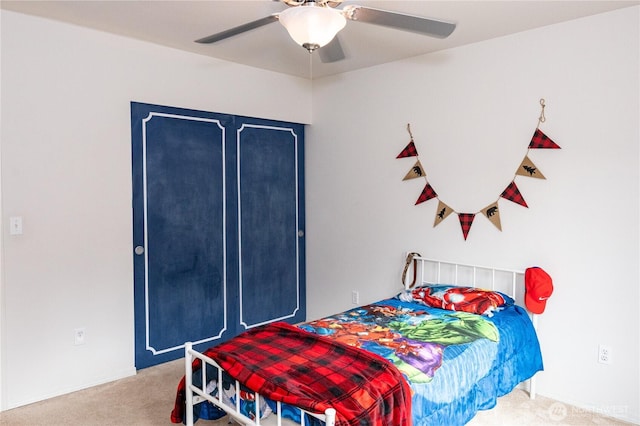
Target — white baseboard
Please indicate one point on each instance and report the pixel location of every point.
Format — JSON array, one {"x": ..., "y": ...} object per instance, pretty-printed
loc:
[{"x": 98, "y": 381}]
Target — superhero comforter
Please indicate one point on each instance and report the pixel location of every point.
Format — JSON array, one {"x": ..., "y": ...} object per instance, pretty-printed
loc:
[{"x": 455, "y": 362}]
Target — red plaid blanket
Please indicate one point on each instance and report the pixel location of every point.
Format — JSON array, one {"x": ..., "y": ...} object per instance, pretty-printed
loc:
[{"x": 290, "y": 365}]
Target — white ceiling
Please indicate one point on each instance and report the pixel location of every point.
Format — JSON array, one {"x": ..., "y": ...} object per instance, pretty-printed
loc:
[{"x": 178, "y": 23}]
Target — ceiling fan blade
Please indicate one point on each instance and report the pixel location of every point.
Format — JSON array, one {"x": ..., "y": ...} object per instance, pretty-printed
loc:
[
  {"x": 239, "y": 29},
  {"x": 400, "y": 21},
  {"x": 332, "y": 52}
]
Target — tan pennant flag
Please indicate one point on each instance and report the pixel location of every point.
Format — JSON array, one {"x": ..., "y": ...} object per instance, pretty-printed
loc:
[
  {"x": 415, "y": 172},
  {"x": 527, "y": 168},
  {"x": 493, "y": 214},
  {"x": 441, "y": 213}
]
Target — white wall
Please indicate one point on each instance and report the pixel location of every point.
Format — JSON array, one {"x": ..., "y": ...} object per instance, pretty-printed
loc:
[
  {"x": 473, "y": 110},
  {"x": 66, "y": 169},
  {"x": 65, "y": 144}
]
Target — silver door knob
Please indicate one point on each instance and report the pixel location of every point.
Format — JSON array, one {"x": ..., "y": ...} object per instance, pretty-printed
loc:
[{"x": 138, "y": 250}]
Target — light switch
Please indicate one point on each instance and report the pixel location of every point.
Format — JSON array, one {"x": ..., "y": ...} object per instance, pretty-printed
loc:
[{"x": 15, "y": 225}]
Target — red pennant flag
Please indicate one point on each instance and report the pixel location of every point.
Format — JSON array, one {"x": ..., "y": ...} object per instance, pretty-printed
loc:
[
  {"x": 409, "y": 151},
  {"x": 540, "y": 140},
  {"x": 513, "y": 194},
  {"x": 427, "y": 193},
  {"x": 466, "y": 219}
]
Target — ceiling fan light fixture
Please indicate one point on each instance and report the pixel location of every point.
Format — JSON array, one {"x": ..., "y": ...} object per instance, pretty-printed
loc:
[{"x": 312, "y": 26}]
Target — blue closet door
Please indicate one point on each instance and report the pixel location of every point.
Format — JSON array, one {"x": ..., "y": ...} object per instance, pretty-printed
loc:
[
  {"x": 270, "y": 222},
  {"x": 218, "y": 226}
]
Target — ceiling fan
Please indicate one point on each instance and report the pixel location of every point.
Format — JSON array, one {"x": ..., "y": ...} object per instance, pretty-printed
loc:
[{"x": 314, "y": 24}]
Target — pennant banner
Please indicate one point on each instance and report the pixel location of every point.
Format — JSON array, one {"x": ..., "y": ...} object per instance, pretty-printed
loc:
[
  {"x": 527, "y": 168},
  {"x": 540, "y": 140},
  {"x": 513, "y": 194},
  {"x": 493, "y": 214},
  {"x": 466, "y": 219},
  {"x": 427, "y": 194},
  {"x": 409, "y": 151},
  {"x": 441, "y": 213},
  {"x": 415, "y": 172}
]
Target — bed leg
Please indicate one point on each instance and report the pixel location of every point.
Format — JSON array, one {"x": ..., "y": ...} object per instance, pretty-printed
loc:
[
  {"x": 330, "y": 417},
  {"x": 188, "y": 377},
  {"x": 532, "y": 387},
  {"x": 532, "y": 380}
]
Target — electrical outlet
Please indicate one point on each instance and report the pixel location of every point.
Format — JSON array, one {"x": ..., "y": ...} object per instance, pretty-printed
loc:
[
  {"x": 355, "y": 297},
  {"x": 79, "y": 335},
  {"x": 604, "y": 354}
]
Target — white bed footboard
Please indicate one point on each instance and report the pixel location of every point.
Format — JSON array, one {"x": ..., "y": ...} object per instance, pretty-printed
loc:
[{"x": 196, "y": 395}]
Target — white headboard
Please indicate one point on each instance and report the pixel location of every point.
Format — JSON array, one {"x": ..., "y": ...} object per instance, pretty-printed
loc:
[{"x": 433, "y": 271}]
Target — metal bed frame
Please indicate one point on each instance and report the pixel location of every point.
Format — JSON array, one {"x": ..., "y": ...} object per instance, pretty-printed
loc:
[
  {"x": 196, "y": 395},
  {"x": 426, "y": 271}
]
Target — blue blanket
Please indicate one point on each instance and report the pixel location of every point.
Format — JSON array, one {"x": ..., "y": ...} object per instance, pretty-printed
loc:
[{"x": 456, "y": 363}]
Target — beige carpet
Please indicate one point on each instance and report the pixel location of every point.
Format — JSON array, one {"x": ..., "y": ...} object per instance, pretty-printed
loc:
[{"x": 147, "y": 399}]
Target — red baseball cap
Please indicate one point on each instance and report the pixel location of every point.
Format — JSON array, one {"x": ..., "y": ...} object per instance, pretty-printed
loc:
[{"x": 538, "y": 286}]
